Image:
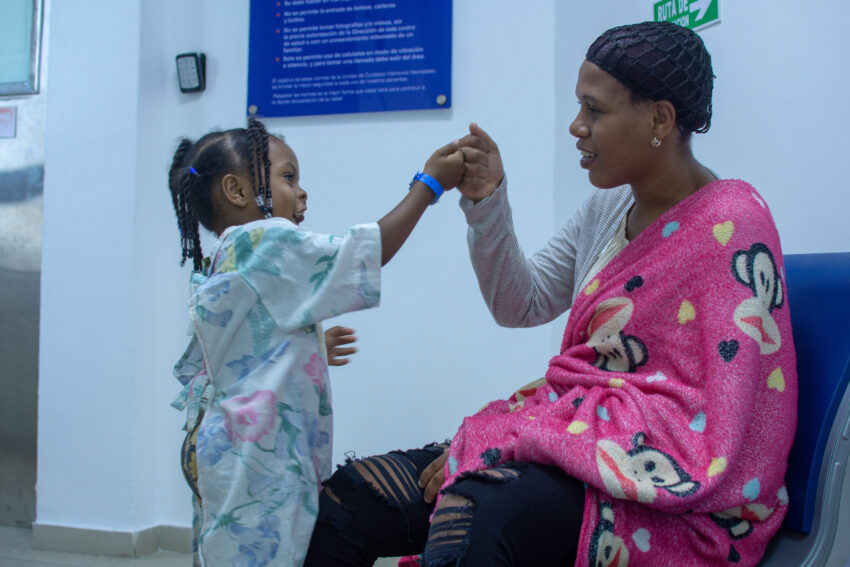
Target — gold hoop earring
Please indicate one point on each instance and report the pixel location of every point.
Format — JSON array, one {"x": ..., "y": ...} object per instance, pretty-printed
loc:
[{"x": 655, "y": 142}]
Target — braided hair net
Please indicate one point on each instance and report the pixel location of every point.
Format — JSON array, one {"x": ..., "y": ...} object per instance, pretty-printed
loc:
[{"x": 660, "y": 61}]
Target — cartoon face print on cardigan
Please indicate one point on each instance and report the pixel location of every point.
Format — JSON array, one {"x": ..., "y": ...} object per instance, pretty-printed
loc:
[
  {"x": 606, "y": 549},
  {"x": 615, "y": 351},
  {"x": 738, "y": 521},
  {"x": 756, "y": 269},
  {"x": 637, "y": 473}
]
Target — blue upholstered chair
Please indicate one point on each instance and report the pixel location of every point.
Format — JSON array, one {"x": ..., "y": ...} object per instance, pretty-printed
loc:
[{"x": 819, "y": 297}]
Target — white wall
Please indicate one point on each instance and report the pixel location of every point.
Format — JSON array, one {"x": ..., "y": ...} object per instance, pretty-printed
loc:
[
  {"x": 86, "y": 403},
  {"x": 113, "y": 315},
  {"x": 113, "y": 298}
]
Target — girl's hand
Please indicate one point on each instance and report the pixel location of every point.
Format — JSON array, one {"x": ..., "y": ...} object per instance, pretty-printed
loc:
[
  {"x": 446, "y": 166},
  {"x": 431, "y": 478},
  {"x": 482, "y": 164},
  {"x": 334, "y": 337}
]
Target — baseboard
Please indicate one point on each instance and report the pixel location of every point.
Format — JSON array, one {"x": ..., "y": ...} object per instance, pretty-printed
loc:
[
  {"x": 111, "y": 543},
  {"x": 175, "y": 538}
]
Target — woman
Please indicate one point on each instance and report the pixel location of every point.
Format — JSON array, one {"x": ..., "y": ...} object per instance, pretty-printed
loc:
[{"x": 661, "y": 432}]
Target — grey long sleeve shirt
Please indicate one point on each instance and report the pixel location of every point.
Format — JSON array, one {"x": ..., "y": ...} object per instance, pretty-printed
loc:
[{"x": 529, "y": 291}]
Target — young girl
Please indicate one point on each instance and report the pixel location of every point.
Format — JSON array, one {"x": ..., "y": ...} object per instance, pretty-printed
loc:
[{"x": 255, "y": 373}]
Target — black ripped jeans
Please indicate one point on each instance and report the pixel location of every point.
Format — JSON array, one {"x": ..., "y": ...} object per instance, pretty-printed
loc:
[{"x": 514, "y": 514}]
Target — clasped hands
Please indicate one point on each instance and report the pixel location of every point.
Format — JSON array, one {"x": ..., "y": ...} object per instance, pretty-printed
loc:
[{"x": 471, "y": 163}]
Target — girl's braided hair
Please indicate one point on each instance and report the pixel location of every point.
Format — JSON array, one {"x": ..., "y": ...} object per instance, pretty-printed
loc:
[{"x": 198, "y": 167}]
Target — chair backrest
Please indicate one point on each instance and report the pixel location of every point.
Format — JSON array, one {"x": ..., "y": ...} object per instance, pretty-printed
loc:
[{"x": 818, "y": 291}]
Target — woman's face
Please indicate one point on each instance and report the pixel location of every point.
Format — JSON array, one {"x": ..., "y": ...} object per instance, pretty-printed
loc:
[{"x": 613, "y": 132}]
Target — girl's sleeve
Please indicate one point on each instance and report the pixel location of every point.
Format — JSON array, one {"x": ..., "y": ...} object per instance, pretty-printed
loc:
[{"x": 303, "y": 277}]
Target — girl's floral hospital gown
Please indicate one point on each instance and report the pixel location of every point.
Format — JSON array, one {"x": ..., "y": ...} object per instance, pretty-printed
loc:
[{"x": 256, "y": 382}]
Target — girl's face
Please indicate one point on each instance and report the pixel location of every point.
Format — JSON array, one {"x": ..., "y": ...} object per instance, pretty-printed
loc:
[
  {"x": 613, "y": 132},
  {"x": 289, "y": 200}
]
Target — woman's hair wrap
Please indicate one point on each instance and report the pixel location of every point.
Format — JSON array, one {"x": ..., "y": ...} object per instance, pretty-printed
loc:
[{"x": 660, "y": 61}]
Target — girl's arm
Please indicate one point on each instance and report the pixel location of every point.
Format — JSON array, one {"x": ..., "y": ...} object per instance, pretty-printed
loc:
[
  {"x": 327, "y": 275},
  {"x": 447, "y": 167}
]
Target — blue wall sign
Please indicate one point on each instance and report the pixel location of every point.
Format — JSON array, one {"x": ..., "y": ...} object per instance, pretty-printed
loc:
[{"x": 342, "y": 56}]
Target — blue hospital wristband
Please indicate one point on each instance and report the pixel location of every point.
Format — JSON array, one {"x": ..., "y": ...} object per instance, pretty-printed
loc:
[{"x": 432, "y": 183}]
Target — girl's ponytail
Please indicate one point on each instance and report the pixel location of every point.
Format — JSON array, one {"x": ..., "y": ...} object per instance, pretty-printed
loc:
[
  {"x": 258, "y": 141},
  {"x": 180, "y": 181}
]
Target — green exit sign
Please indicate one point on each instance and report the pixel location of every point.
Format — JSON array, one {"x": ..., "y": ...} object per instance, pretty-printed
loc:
[{"x": 692, "y": 14}]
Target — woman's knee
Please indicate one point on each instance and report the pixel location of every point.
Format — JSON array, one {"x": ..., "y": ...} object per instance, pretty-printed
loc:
[
  {"x": 374, "y": 506},
  {"x": 392, "y": 478},
  {"x": 501, "y": 516},
  {"x": 451, "y": 532}
]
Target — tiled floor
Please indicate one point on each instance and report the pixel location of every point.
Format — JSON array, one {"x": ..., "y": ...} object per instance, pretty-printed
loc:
[{"x": 16, "y": 551}]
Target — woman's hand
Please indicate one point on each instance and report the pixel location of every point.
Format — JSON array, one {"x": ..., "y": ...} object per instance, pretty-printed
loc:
[
  {"x": 334, "y": 337},
  {"x": 483, "y": 170},
  {"x": 432, "y": 478}
]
